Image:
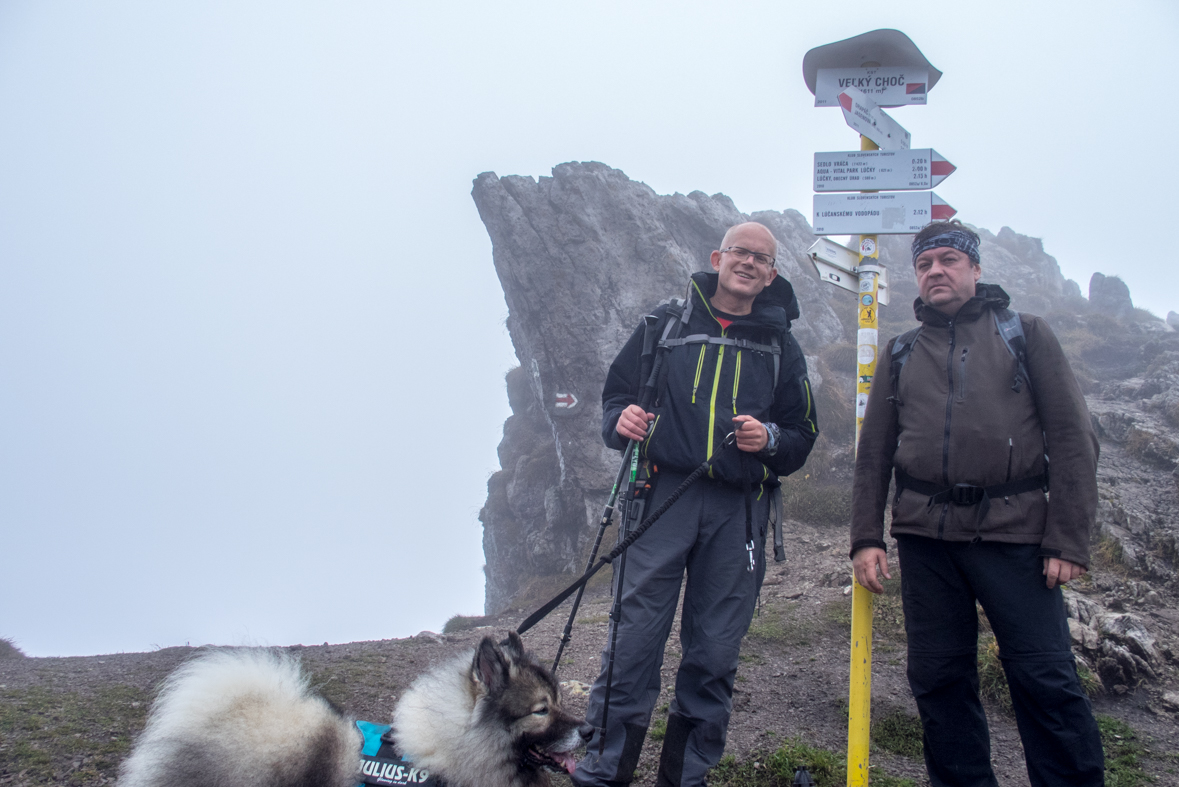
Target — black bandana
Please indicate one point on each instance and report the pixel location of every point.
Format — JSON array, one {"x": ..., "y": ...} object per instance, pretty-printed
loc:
[{"x": 954, "y": 239}]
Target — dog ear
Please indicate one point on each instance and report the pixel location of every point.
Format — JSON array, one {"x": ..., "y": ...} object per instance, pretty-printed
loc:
[
  {"x": 513, "y": 647},
  {"x": 489, "y": 667}
]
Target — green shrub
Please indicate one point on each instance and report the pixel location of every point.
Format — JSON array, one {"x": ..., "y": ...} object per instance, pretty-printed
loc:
[
  {"x": 776, "y": 624},
  {"x": 776, "y": 769},
  {"x": 878, "y": 778},
  {"x": 899, "y": 733},
  {"x": 992, "y": 680},
  {"x": 463, "y": 623},
  {"x": 1119, "y": 741},
  {"x": 1090, "y": 683},
  {"x": 658, "y": 729},
  {"x": 9, "y": 650},
  {"x": 1109, "y": 555}
]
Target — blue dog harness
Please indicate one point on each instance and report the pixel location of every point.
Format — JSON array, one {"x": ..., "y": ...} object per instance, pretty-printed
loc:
[{"x": 383, "y": 766}]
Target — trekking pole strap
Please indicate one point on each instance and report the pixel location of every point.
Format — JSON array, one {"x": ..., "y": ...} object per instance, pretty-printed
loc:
[
  {"x": 747, "y": 487},
  {"x": 778, "y": 509}
]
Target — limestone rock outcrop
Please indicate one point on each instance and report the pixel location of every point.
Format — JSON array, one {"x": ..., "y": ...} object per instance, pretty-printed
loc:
[{"x": 1109, "y": 295}]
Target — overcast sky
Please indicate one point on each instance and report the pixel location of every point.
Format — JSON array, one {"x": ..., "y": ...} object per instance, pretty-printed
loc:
[{"x": 251, "y": 340}]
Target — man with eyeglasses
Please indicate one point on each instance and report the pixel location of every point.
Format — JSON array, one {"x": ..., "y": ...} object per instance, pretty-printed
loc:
[{"x": 734, "y": 367}]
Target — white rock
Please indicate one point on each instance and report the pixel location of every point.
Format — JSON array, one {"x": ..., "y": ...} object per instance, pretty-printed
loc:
[{"x": 1128, "y": 629}]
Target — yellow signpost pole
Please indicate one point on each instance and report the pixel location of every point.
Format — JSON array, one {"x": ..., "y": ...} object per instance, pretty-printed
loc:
[
  {"x": 865, "y": 276},
  {"x": 859, "y": 703}
]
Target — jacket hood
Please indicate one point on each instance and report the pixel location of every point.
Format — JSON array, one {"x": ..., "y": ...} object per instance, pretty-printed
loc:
[
  {"x": 775, "y": 306},
  {"x": 986, "y": 296}
]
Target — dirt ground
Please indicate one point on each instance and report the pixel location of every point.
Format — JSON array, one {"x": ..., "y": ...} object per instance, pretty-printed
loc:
[{"x": 72, "y": 720}]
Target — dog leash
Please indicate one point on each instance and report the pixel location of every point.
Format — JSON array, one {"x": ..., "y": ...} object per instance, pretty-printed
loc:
[{"x": 622, "y": 546}]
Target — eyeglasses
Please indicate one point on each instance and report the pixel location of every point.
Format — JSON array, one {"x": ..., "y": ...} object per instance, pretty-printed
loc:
[{"x": 744, "y": 254}]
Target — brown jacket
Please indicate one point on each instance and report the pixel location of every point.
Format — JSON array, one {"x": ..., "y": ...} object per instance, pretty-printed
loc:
[{"x": 957, "y": 420}]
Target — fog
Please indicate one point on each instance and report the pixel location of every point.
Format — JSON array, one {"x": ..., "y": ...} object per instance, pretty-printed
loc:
[{"x": 251, "y": 337}]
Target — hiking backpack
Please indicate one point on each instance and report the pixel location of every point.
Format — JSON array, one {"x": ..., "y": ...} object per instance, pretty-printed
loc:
[{"x": 1010, "y": 329}]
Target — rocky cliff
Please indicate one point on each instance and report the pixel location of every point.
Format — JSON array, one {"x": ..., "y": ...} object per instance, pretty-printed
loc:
[{"x": 582, "y": 255}]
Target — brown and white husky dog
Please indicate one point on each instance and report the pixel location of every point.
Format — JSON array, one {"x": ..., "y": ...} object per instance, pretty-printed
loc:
[{"x": 247, "y": 718}]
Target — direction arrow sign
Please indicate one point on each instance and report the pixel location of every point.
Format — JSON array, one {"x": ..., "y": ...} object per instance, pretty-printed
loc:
[
  {"x": 862, "y": 114},
  {"x": 842, "y": 273},
  {"x": 834, "y": 254},
  {"x": 566, "y": 401},
  {"x": 838, "y": 264},
  {"x": 888, "y": 87},
  {"x": 888, "y": 213},
  {"x": 861, "y": 170}
]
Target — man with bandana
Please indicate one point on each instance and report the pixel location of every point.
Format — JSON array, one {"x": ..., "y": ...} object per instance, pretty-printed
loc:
[{"x": 967, "y": 423}]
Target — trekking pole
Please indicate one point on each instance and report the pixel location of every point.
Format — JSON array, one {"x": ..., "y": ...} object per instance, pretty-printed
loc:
[
  {"x": 607, "y": 515},
  {"x": 632, "y": 510},
  {"x": 615, "y": 618},
  {"x": 628, "y": 457}
]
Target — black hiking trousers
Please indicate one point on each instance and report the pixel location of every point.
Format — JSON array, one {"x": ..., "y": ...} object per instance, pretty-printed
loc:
[
  {"x": 703, "y": 536},
  {"x": 940, "y": 582}
]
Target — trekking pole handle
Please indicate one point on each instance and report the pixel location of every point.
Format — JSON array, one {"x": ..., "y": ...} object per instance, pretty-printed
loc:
[{"x": 649, "y": 322}]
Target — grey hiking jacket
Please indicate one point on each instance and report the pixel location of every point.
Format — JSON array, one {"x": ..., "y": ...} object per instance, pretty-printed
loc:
[{"x": 956, "y": 419}]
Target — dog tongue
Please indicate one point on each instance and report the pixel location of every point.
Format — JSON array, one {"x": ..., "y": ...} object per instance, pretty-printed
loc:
[{"x": 567, "y": 760}]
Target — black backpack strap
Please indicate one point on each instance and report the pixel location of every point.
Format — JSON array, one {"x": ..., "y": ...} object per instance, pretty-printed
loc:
[
  {"x": 1010, "y": 328},
  {"x": 776, "y": 351},
  {"x": 902, "y": 346},
  {"x": 740, "y": 344},
  {"x": 674, "y": 318}
]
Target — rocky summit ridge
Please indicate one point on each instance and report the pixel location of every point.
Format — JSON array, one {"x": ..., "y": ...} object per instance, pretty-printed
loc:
[{"x": 584, "y": 254}]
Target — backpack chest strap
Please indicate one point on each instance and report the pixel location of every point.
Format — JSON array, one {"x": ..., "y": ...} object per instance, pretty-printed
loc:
[{"x": 740, "y": 344}]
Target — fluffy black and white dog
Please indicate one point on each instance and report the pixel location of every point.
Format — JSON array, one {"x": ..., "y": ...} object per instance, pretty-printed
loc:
[{"x": 247, "y": 718}]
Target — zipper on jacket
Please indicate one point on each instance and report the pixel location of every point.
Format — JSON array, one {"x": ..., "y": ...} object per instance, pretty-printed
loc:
[
  {"x": 699, "y": 369},
  {"x": 1010, "y": 451},
  {"x": 962, "y": 375},
  {"x": 806, "y": 387},
  {"x": 736, "y": 381},
  {"x": 941, "y": 525},
  {"x": 949, "y": 408},
  {"x": 720, "y": 358}
]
